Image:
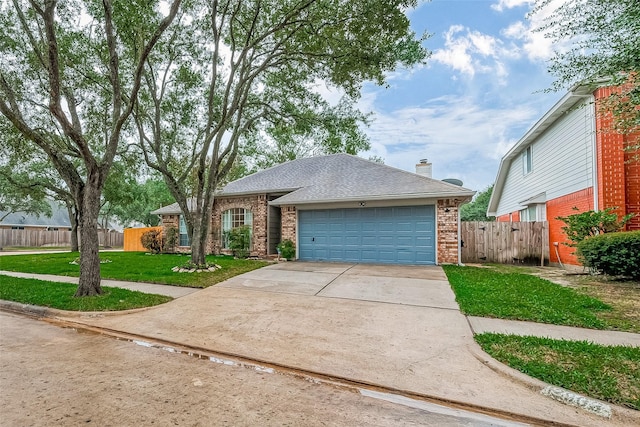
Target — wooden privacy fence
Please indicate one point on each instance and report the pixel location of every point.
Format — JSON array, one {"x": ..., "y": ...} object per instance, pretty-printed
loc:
[
  {"x": 36, "y": 238},
  {"x": 132, "y": 238},
  {"x": 505, "y": 242}
]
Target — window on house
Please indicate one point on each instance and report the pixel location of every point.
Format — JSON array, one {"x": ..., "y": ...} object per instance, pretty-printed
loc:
[
  {"x": 527, "y": 160},
  {"x": 531, "y": 213},
  {"x": 184, "y": 237},
  {"x": 232, "y": 218}
]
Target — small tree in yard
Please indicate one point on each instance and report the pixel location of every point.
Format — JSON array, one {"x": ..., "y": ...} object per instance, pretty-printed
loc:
[
  {"x": 240, "y": 241},
  {"x": 591, "y": 223}
]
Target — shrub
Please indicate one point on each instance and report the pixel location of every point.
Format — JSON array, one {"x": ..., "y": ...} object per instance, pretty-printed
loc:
[
  {"x": 615, "y": 254},
  {"x": 590, "y": 223},
  {"x": 287, "y": 249},
  {"x": 240, "y": 240},
  {"x": 171, "y": 239},
  {"x": 152, "y": 241}
]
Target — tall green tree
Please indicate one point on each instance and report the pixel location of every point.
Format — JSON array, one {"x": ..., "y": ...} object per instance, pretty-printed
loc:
[
  {"x": 234, "y": 72},
  {"x": 68, "y": 83},
  {"x": 476, "y": 210},
  {"x": 603, "y": 38}
]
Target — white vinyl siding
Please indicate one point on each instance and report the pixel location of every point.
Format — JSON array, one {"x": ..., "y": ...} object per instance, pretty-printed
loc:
[{"x": 562, "y": 162}]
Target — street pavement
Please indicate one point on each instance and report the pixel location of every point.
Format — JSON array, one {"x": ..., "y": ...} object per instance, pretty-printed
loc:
[{"x": 393, "y": 327}]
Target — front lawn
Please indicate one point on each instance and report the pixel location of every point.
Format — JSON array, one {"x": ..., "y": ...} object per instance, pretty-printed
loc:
[
  {"x": 485, "y": 292},
  {"x": 607, "y": 373},
  {"x": 132, "y": 266},
  {"x": 60, "y": 296}
]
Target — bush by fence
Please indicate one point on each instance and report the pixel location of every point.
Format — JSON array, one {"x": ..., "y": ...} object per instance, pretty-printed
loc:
[{"x": 615, "y": 254}]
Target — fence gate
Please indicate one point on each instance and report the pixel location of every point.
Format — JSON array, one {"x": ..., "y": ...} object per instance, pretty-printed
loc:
[{"x": 505, "y": 242}]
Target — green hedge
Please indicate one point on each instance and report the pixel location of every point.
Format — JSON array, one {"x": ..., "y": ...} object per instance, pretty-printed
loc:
[{"x": 615, "y": 254}]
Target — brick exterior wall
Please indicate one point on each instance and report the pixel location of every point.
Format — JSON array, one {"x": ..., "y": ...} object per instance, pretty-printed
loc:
[
  {"x": 288, "y": 218},
  {"x": 258, "y": 207},
  {"x": 563, "y": 206},
  {"x": 512, "y": 217},
  {"x": 173, "y": 221},
  {"x": 618, "y": 170},
  {"x": 447, "y": 226}
]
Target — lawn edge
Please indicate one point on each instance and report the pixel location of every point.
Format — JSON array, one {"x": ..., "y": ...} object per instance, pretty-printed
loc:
[
  {"x": 577, "y": 400},
  {"x": 39, "y": 311}
]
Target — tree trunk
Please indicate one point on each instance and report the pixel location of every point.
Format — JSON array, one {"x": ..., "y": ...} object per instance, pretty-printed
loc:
[
  {"x": 73, "y": 219},
  {"x": 199, "y": 240},
  {"x": 89, "y": 284}
]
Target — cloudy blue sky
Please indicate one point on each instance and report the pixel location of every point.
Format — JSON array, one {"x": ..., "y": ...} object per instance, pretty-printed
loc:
[{"x": 480, "y": 91}]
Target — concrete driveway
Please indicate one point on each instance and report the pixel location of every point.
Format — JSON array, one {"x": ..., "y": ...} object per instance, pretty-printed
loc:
[
  {"x": 393, "y": 326},
  {"x": 407, "y": 285}
]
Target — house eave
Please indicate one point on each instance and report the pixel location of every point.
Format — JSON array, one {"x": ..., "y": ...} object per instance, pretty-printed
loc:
[
  {"x": 394, "y": 197},
  {"x": 577, "y": 94}
]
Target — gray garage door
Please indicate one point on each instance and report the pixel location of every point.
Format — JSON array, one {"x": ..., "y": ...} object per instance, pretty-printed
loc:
[{"x": 398, "y": 235}]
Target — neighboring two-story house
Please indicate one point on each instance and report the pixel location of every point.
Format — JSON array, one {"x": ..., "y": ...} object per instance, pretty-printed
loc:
[{"x": 569, "y": 159}]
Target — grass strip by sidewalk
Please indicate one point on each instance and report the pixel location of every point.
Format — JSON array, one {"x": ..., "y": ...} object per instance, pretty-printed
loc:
[
  {"x": 607, "y": 373},
  {"x": 60, "y": 296},
  {"x": 487, "y": 293},
  {"x": 133, "y": 266}
]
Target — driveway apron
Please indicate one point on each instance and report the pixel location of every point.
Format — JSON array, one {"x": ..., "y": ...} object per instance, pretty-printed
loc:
[{"x": 394, "y": 326}]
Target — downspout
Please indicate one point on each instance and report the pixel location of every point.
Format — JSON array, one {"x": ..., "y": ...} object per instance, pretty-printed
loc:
[{"x": 594, "y": 147}]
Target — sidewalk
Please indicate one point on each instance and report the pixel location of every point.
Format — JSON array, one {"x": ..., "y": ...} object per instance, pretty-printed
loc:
[
  {"x": 147, "y": 288},
  {"x": 480, "y": 325}
]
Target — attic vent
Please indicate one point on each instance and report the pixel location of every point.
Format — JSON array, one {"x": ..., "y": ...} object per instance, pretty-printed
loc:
[{"x": 453, "y": 181}]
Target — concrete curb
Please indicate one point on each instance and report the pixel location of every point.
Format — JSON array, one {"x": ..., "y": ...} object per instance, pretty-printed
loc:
[
  {"x": 53, "y": 313},
  {"x": 568, "y": 397}
]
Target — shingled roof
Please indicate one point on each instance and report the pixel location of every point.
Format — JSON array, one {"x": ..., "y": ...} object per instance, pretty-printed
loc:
[{"x": 340, "y": 177}]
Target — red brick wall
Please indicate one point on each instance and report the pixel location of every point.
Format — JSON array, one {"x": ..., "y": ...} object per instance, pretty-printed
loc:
[
  {"x": 563, "y": 206},
  {"x": 618, "y": 171},
  {"x": 512, "y": 217}
]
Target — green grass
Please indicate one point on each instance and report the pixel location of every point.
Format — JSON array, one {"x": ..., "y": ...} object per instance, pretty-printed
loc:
[
  {"x": 60, "y": 296},
  {"x": 608, "y": 373},
  {"x": 132, "y": 266},
  {"x": 486, "y": 293}
]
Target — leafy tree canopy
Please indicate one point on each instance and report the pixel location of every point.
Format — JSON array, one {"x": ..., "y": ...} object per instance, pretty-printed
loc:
[
  {"x": 603, "y": 38},
  {"x": 476, "y": 210},
  {"x": 238, "y": 77}
]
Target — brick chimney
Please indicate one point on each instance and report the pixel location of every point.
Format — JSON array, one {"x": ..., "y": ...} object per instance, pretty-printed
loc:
[{"x": 424, "y": 168}]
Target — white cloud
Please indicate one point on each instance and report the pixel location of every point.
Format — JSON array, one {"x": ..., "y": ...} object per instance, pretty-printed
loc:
[
  {"x": 461, "y": 138},
  {"x": 470, "y": 52},
  {"x": 535, "y": 44},
  {"x": 509, "y": 4}
]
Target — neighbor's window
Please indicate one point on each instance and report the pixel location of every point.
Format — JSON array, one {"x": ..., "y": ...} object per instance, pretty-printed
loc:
[
  {"x": 232, "y": 218},
  {"x": 527, "y": 160},
  {"x": 184, "y": 237},
  {"x": 529, "y": 214}
]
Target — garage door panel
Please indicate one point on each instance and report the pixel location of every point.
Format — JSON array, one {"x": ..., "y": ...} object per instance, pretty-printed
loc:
[{"x": 402, "y": 235}]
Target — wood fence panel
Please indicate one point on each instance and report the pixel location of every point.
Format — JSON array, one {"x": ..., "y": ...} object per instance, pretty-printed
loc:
[
  {"x": 505, "y": 242},
  {"x": 132, "y": 238},
  {"x": 38, "y": 238}
]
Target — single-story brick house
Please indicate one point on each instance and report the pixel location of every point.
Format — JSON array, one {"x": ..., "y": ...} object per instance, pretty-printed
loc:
[{"x": 339, "y": 208}]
